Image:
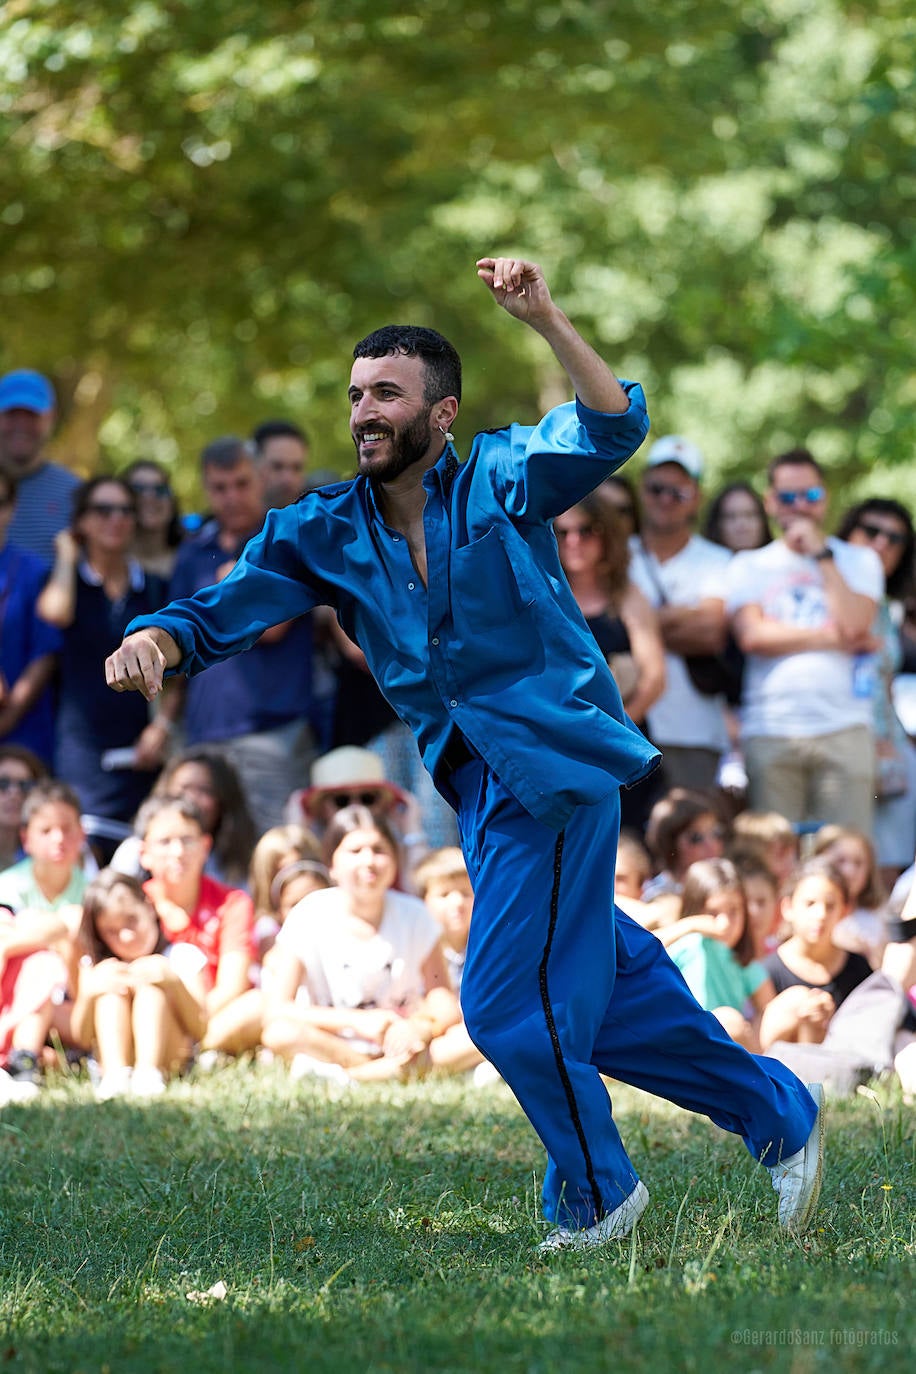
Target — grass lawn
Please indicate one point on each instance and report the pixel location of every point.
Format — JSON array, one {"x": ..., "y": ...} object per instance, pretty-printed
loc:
[{"x": 393, "y": 1228}]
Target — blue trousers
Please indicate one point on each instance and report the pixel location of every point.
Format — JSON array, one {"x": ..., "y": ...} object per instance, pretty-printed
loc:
[{"x": 560, "y": 986}]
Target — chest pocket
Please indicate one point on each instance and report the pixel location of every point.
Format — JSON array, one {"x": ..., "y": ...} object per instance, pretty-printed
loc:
[{"x": 492, "y": 604}]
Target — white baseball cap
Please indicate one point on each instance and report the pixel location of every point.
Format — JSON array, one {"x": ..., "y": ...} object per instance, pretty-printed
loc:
[{"x": 674, "y": 448}]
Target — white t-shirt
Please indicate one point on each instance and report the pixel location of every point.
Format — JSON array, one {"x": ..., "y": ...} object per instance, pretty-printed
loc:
[
  {"x": 344, "y": 971},
  {"x": 682, "y": 715},
  {"x": 810, "y": 693}
]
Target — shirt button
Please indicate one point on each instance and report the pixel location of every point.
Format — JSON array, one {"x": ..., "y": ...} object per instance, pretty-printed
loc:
[
  {"x": 435, "y": 640},
  {"x": 453, "y": 702},
  {"x": 410, "y": 586}
]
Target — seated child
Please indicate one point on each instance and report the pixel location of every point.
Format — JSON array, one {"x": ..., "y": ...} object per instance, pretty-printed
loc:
[
  {"x": 238, "y": 1027},
  {"x": 761, "y": 896},
  {"x": 812, "y": 976},
  {"x": 442, "y": 882},
  {"x": 191, "y": 906},
  {"x": 772, "y": 835},
  {"x": 277, "y": 848},
  {"x": 140, "y": 1000},
  {"x": 370, "y": 962},
  {"x": 42, "y": 895},
  {"x": 863, "y": 931},
  {"x": 713, "y": 948}
]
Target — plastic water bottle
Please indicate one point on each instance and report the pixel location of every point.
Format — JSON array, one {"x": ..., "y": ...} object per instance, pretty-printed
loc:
[{"x": 864, "y": 676}]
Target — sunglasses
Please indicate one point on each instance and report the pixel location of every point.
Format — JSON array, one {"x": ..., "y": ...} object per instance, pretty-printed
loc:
[
  {"x": 24, "y": 785},
  {"x": 106, "y": 509},
  {"x": 342, "y": 799},
  {"x": 810, "y": 496},
  {"x": 580, "y": 531},
  {"x": 151, "y": 488},
  {"x": 703, "y": 836},
  {"x": 665, "y": 489},
  {"x": 893, "y": 537}
]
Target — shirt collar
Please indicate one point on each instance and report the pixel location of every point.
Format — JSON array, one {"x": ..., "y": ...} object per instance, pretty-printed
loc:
[{"x": 135, "y": 574}]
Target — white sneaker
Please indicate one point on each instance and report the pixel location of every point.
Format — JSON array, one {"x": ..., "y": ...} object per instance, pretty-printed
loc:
[
  {"x": 304, "y": 1066},
  {"x": 147, "y": 1082},
  {"x": 14, "y": 1090},
  {"x": 615, "y": 1226},
  {"x": 115, "y": 1083},
  {"x": 797, "y": 1179}
]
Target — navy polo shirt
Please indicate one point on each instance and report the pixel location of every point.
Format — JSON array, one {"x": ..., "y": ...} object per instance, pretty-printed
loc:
[{"x": 265, "y": 687}]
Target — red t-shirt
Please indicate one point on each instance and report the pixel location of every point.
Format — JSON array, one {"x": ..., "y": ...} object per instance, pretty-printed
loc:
[{"x": 221, "y": 923}]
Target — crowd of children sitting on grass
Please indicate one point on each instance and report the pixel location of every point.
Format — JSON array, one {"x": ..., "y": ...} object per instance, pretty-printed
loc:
[{"x": 330, "y": 953}]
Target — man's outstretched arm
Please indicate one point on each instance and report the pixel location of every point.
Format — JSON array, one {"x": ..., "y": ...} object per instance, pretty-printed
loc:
[{"x": 519, "y": 287}]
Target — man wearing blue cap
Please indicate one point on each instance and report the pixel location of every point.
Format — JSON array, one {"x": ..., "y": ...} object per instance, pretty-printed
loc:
[{"x": 44, "y": 500}]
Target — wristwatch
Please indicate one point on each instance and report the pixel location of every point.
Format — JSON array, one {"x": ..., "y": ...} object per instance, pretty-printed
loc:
[{"x": 825, "y": 555}]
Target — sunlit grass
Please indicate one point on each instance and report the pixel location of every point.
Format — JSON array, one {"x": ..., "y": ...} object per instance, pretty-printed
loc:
[{"x": 394, "y": 1228}]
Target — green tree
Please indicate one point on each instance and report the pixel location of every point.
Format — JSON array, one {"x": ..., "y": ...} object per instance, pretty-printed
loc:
[{"x": 204, "y": 205}]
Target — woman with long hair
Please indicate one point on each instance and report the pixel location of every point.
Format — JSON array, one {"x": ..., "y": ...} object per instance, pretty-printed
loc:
[
  {"x": 595, "y": 557},
  {"x": 158, "y": 529},
  {"x": 370, "y": 959},
  {"x": 106, "y": 747}
]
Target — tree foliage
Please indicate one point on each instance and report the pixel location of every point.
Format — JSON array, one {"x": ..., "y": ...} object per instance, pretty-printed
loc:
[{"x": 205, "y": 205}]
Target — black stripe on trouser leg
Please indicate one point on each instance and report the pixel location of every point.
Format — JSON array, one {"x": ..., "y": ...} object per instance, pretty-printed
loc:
[{"x": 552, "y": 1028}]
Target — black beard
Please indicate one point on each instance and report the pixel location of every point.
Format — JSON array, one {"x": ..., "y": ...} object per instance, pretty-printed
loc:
[{"x": 408, "y": 446}]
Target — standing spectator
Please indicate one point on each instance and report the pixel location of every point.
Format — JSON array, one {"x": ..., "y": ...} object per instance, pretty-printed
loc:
[
  {"x": 159, "y": 530},
  {"x": 595, "y": 559},
  {"x": 595, "y": 556},
  {"x": 737, "y": 519},
  {"x": 802, "y": 610},
  {"x": 887, "y": 527},
  {"x": 281, "y": 451},
  {"x": 28, "y": 645},
  {"x": 683, "y": 576},
  {"x": 45, "y": 496},
  {"x": 94, "y": 590},
  {"x": 618, "y": 491},
  {"x": 253, "y": 708}
]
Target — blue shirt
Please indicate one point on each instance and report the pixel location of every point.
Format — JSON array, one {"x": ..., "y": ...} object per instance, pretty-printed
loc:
[
  {"x": 266, "y": 687},
  {"x": 44, "y": 507},
  {"x": 24, "y": 637},
  {"x": 496, "y": 646}
]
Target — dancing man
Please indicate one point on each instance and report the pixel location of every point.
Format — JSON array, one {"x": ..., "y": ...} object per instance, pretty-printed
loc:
[{"x": 447, "y": 576}]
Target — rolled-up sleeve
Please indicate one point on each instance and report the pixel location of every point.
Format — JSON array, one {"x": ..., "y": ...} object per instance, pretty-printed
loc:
[{"x": 549, "y": 468}]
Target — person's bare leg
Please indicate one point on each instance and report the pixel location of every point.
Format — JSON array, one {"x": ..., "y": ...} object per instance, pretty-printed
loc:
[
  {"x": 238, "y": 1026},
  {"x": 288, "y": 1036},
  {"x": 740, "y": 1030},
  {"x": 114, "y": 1032},
  {"x": 153, "y": 1028},
  {"x": 32, "y": 1031},
  {"x": 454, "y": 1051}
]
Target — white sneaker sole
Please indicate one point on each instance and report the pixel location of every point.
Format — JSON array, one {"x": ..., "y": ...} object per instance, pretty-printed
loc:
[
  {"x": 617, "y": 1225},
  {"x": 805, "y": 1207}
]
